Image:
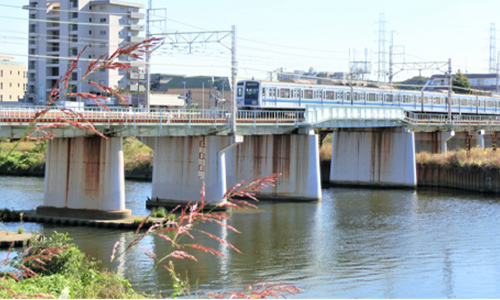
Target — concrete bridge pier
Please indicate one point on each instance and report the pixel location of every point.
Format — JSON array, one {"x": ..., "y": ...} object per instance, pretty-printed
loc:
[
  {"x": 182, "y": 164},
  {"x": 435, "y": 142},
  {"x": 84, "y": 177},
  {"x": 374, "y": 157}
]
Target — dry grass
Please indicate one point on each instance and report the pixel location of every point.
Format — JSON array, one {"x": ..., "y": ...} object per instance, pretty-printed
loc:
[{"x": 478, "y": 157}]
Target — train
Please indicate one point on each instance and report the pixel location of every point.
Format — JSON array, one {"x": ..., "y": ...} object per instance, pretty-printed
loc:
[{"x": 268, "y": 95}]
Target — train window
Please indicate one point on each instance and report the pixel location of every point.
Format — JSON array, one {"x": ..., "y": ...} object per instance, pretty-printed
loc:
[
  {"x": 284, "y": 93},
  {"x": 463, "y": 102},
  {"x": 340, "y": 95},
  {"x": 389, "y": 98},
  {"x": 308, "y": 94},
  {"x": 489, "y": 103},
  {"x": 371, "y": 97},
  {"x": 330, "y": 95},
  {"x": 380, "y": 97},
  {"x": 239, "y": 92},
  {"x": 362, "y": 96},
  {"x": 426, "y": 100},
  {"x": 437, "y": 100},
  {"x": 348, "y": 95},
  {"x": 355, "y": 96},
  {"x": 419, "y": 99},
  {"x": 406, "y": 98},
  {"x": 455, "y": 101},
  {"x": 296, "y": 94}
]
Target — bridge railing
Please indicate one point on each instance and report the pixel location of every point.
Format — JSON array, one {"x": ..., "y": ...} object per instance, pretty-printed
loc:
[
  {"x": 435, "y": 119},
  {"x": 323, "y": 113},
  {"x": 143, "y": 115}
]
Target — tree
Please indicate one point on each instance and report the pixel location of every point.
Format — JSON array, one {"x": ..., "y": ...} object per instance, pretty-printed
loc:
[{"x": 460, "y": 83}]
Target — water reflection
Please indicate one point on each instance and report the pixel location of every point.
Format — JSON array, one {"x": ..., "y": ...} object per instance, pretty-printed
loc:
[{"x": 356, "y": 243}]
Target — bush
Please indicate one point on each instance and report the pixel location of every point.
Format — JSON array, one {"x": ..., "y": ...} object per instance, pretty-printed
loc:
[{"x": 56, "y": 267}]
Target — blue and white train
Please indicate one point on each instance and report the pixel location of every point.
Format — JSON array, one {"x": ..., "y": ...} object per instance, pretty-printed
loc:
[{"x": 262, "y": 95}]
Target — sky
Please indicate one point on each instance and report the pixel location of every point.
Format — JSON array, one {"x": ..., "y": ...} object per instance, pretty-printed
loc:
[{"x": 298, "y": 35}]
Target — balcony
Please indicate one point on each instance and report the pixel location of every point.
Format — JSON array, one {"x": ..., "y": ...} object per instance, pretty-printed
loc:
[
  {"x": 136, "y": 76},
  {"x": 136, "y": 27},
  {"x": 135, "y": 39},
  {"x": 137, "y": 63},
  {"x": 136, "y": 15},
  {"x": 133, "y": 87},
  {"x": 32, "y": 5}
]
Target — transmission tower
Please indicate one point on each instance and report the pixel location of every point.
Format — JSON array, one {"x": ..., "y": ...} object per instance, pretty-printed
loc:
[
  {"x": 382, "y": 53},
  {"x": 493, "y": 50}
]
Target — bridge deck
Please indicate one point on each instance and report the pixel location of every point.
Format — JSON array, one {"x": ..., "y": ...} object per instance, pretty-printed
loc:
[{"x": 15, "y": 120}]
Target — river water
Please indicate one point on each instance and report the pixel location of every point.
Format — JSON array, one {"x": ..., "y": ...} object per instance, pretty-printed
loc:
[{"x": 355, "y": 243}]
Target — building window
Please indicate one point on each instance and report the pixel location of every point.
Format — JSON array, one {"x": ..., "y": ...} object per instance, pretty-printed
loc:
[
  {"x": 103, "y": 20},
  {"x": 1, "y": 85},
  {"x": 10, "y": 97},
  {"x": 10, "y": 84},
  {"x": 90, "y": 31},
  {"x": 102, "y": 32},
  {"x": 1, "y": 73},
  {"x": 90, "y": 20}
]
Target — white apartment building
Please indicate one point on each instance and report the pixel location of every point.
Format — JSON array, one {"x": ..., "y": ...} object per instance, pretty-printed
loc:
[{"x": 60, "y": 29}]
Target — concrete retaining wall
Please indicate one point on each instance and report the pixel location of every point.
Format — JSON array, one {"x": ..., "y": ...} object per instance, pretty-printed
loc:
[{"x": 474, "y": 179}]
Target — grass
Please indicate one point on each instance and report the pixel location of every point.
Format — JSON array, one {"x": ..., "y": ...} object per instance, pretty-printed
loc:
[{"x": 477, "y": 158}]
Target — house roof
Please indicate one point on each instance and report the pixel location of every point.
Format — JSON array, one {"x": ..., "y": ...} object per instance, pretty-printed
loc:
[{"x": 195, "y": 83}]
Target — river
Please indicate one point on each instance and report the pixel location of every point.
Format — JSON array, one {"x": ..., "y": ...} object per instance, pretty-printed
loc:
[{"x": 355, "y": 243}]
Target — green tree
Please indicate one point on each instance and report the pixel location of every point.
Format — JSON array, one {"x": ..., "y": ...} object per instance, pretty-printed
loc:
[{"x": 460, "y": 83}]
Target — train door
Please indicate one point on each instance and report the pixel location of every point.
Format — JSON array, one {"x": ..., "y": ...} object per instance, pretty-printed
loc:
[{"x": 340, "y": 97}]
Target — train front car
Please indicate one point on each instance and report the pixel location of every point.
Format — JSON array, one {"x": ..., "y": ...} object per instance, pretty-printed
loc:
[{"x": 248, "y": 95}]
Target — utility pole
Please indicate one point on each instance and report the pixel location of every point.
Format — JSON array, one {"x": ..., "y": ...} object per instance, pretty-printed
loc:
[
  {"x": 450, "y": 84},
  {"x": 148, "y": 52},
  {"x": 234, "y": 72},
  {"x": 390, "y": 57},
  {"x": 498, "y": 62},
  {"x": 211, "y": 37},
  {"x": 147, "y": 69}
]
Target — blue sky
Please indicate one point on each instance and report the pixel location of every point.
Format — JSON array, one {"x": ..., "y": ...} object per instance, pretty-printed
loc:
[{"x": 297, "y": 35}]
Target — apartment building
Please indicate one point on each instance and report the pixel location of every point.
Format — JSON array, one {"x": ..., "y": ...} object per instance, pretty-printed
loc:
[
  {"x": 60, "y": 29},
  {"x": 13, "y": 79}
]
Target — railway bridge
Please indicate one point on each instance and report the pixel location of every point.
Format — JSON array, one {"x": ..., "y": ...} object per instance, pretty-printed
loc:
[{"x": 372, "y": 145}]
